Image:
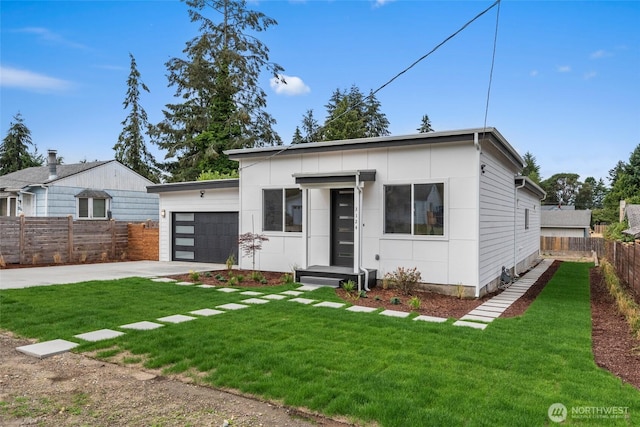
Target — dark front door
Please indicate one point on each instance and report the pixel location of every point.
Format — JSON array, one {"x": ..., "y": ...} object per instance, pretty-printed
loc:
[{"x": 342, "y": 227}]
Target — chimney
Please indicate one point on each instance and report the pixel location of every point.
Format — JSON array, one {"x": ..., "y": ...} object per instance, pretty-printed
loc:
[{"x": 52, "y": 162}]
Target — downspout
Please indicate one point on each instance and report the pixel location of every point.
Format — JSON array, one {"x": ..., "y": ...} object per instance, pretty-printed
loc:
[
  {"x": 359, "y": 255},
  {"x": 476, "y": 144},
  {"x": 515, "y": 229}
]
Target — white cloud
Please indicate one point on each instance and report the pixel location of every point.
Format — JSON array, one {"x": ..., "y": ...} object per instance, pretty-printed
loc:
[
  {"x": 25, "y": 79},
  {"x": 590, "y": 75},
  {"x": 50, "y": 37},
  {"x": 563, "y": 68},
  {"x": 599, "y": 54},
  {"x": 533, "y": 73},
  {"x": 380, "y": 3},
  {"x": 288, "y": 85}
]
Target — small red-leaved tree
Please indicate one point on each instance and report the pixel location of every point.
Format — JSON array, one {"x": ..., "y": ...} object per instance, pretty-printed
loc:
[{"x": 250, "y": 244}]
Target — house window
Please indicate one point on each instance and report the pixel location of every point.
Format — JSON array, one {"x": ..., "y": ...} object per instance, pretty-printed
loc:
[
  {"x": 415, "y": 209},
  {"x": 282, "y": 210},
  {"x": 89, "y": 207},
  {"x": 526, "y": 219},
  {"x": 8, "y": 206}
]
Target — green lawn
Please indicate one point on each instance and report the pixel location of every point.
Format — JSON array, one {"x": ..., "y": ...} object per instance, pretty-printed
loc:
[{"x": 366, "y": 367}]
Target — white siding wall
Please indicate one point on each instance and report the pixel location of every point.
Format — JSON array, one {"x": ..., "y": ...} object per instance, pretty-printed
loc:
[
  {"x": 497, "y": 215},
  {"x": 219, "y": 200},
  {"x": 528, "y": 239},
  {"x": 451, "y": 259},
  {"x": 563, "y": 232}
]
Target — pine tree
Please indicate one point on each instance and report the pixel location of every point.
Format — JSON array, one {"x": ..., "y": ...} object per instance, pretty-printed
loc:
[
  {"x": 310, "y": 127},
  {"x": 222, "y": 102},
  {"x": 14, "y": 150},
  {"x": 297, "y": 137},
  {"x": 425, "y": 125},
  {"x": 531, "y": 168},
  {"x": 131, "y": 149},
  {"x": 350, "y": 115}
]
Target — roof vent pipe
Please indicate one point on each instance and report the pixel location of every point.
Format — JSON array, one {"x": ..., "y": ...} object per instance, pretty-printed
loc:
[{"x": 52, "y": 162}]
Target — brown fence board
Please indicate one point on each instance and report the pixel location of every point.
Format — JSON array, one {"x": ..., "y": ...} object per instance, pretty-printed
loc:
[{"x": 46, "y": 240}]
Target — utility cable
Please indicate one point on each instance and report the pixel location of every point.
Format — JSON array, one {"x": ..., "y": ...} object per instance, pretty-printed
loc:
[
  {"x": 438, "y": 46},
  {"x": 493, "y": 60}
]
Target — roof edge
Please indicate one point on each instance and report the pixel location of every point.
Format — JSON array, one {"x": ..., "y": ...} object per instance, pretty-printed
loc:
[{"x": 212, "y": 184}]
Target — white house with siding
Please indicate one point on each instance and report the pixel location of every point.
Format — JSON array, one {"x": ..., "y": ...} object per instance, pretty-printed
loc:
[
  {"x": 452, "y": 204},
  {"x": 91, "y": 190}
]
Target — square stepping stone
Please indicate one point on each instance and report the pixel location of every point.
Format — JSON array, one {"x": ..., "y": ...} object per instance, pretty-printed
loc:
[
  {"x": 302, "y": 300},
  {"x": 487, "y": 314},
  {"x": 490, "y": 308},
  {"x": 99, "y": 335},
  {"x": 142, "y": 326},
  {"x": 185, "y": 283},
  {"x": 164, "y": 280},
  {"x": 292, "y": 293},
  {"x": 255, "y": 301},
  {"x": 361, "y": 309},
  {"x": 274, "y": 296},
  {"x": 477, "y": 317},
  {"x": 470, "y": 324},
  {"x": 233, "y": 306},
  {"x": 329, "y": 304},
  {"x": 47, "y": 348},
  {"x": 228, "y": 290},
  {"x": 431, "y": 319},
  {"x": 395, "y": 313},
  {"x": 206, "y": 286},
  {"x": 176, "y": 318},
  {"x": 251, "y": 293},
  {"x": 308, "y": 287},
  {"x": 206, "y": 312}
]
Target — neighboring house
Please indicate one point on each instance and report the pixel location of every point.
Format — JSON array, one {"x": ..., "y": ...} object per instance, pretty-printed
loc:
[
  {"x": 565, "y": 223},
  {"x": 451, "y": 204},
  {"x": 632, "y": 213},
  {"x": 92, "y": 190}
]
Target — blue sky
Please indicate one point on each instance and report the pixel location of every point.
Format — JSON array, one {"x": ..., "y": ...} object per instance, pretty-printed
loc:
[{"x": 566, "y": 81}]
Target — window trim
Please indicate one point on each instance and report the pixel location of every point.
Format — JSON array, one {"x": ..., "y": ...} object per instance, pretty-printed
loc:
[
  {"x": 283, "y": 225},
  {"x": 9, "y": 204},
  {"x": 412, "y": 235}
]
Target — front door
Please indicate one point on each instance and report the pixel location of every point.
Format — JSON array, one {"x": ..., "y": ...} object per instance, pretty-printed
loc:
[{"x": 342, "y": 227}]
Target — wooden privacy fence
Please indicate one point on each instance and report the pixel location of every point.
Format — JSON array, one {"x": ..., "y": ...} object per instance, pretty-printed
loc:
[
  {"x": 572, "y": 246},
  {"x": 58, "y": 240},
  {"x": 625, "y": 257}
]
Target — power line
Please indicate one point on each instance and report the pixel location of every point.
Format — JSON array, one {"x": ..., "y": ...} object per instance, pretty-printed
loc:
[
  {"x": 438, "y": 46},
  {"x": 493, "y": 59}
]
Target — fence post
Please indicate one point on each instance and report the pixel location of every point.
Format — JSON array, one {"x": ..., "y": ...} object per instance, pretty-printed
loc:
[
  {"x": 113, "y": 238},
  {"x": 22, "y": 239},
  {"x": 70, "y": 238}
]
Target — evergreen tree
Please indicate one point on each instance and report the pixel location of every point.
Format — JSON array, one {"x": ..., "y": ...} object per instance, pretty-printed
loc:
[
  {"x": 222, "y": 103},
  {"x": 310, "y": 127},
  {"x": 351, "y": 115},
  {"x": 425, "y": 125},
  {"x": 297, "y": 137},
  {"x": 14, "y": 150},
  {"x": 531, "y": 168},
  {"x": 625, "y": 184},
  {"x": 131, "y": 149}
]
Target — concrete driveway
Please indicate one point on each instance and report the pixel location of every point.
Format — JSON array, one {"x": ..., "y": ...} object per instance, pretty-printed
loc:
[{"x": 15, "y": 278}]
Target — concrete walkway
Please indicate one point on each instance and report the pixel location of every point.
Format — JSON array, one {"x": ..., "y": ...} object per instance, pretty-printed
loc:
[
  {"x": 16, "y": 278},
  {"x": 487, "y": 312}
]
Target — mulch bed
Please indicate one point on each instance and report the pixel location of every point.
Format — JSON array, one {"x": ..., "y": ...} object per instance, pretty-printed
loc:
[{"x": 614, "y": 348}]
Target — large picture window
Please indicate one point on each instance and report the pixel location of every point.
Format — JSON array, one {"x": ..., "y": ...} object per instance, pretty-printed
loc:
[
  {"x": 415, "y": 209},
  {"x": 282, "y": 210}
]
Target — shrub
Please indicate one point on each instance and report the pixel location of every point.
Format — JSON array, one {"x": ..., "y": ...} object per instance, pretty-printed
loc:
[
  {"x": 231, "y": 260},
  {"x": 233, "y": 281},
  {"x": 414, "y": 303},
  {"x": 404, "y": 279},
  {"x": 256, "y": 276},
  {"x": 287, "y": 279},
  {"x": 395, "y": 301},
  {"x": 348, "y": 286},
  {"x": 194, "y": 275}
]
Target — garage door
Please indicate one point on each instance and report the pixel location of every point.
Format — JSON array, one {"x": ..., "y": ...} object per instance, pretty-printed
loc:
[{"x": 205, "y": 236}]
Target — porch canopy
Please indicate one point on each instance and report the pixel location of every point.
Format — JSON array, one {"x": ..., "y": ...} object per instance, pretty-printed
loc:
[{"x": 334, "y": 180}]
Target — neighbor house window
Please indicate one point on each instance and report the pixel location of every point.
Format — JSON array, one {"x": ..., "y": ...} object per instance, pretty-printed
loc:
[
  {"x": 414, "y": 209},
  {"x": 89, "y": 207},
  {"x": 282, "y": 209},
  {"x": 8, "y": 206}
]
